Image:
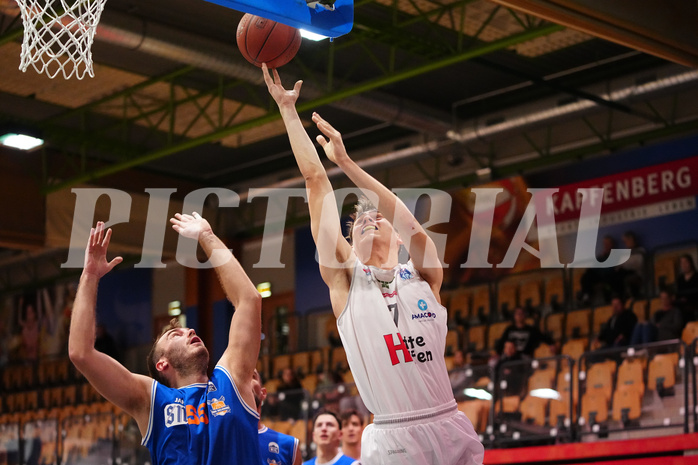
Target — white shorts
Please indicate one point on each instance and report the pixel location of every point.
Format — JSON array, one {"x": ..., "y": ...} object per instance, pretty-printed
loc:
[{"x": 437, "y": 436}]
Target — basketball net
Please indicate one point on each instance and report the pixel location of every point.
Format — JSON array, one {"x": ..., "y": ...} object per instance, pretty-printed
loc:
[{"x": 58, "y": 36}]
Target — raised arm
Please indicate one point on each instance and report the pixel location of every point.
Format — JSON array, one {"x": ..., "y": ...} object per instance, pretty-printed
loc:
[
  {"x": 419, "y": 245},
  {"x": 335, "y": 253},
  {"x": 244, "y": 337},
  {"x": 128, "y": 391}
]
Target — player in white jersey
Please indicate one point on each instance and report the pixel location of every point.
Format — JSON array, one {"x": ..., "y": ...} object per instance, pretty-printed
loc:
[{"x": 389, "y": 316}]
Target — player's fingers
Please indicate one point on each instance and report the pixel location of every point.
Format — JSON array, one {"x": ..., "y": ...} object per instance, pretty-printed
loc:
[
  {"x": 196, "y": 216},
  {"x": 322, "y": 141},
  {"x": 115, "y": 261},
  {"x": 277, "y": 78},
  {"x": 107, "y": 238},
  {"x": 297, "y": 87}
]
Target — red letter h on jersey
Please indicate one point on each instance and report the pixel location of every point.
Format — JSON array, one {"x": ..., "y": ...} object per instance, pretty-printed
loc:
[{"x": 392, "y": 348}]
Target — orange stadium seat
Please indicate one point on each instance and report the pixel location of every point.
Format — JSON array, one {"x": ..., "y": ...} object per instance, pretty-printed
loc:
[
  {"x": 640, "y": 310},
  {"x": 600, "y": 316},
  {"x": 662, "y": 371},
  {"x": 560, "y": 410},
  {"x": 575, "y": 348},
  {"x": 627, "y": 404},
  {"x": 339, "y": 359},
  {"x": 477, "y": 337},
  {"x": 309, "y": 382},
  {"x": 630, "y": 375},
  {"x": 577, "y": 323},
  {"x": 507, "y": 290},
  {"x": 542, "y": 379},
  {"x": 459, "y": 301},
  {"x": 452, "y": 341},
  {"x": 280, "y": 363},
  {"x": 594, "y": 407},
  {"x": 543, "y": 351},
  {"x": 481, "y": 301},
  {"x": 555, "y": 289},
  {"x": 599, "y": 377},
  {"x": 495, "y": 332},
  {"x": 299, "y": 430},
  {"x": 567, "y": 380},
  {"x": 300, "y": 361},
  {"x": 554, "y": 325},
  {"x": 530, "y": 290},
  {"x": 690, "y": 333},
  {"x": 533, "y": 410}
]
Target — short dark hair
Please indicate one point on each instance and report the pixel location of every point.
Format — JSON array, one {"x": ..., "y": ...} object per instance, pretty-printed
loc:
[
  {"x": 327, "y": 412},
  {"x": 155, "y": 354},
  {"x": 346, "y": 415},
  {"x": 689, "y": 259},
  {"x": 362, "y": 206}
]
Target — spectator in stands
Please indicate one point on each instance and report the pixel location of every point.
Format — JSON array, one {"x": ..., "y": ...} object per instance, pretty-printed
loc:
[
  {"x": 594, "y": 281},
  {"x": 292, "y": 390},
  {"x": 513, "y": 373},
  {"x": 352, "y": 428},
  {"x": 457, "y": 374},
  {"x": 327, "y": 434},
  {"x": 666, "y": 323},
  {"x": 629, "y": 278},
  {"x": 29, "y": 321},
  {"x": 526, "y": 338},
  {"x": 4, "y": 344},
  {"x": 327, "y": 391},
  {"x": 105, "y": 343},
  {"x": 618, "y": 330},
  {"x": 687, "y": 287}
]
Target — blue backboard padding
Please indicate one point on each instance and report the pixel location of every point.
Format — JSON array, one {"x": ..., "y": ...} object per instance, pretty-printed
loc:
[{"x": 297, "y": 14}]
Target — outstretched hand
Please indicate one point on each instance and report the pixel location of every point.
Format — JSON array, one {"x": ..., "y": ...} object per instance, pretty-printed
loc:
[
  {"x": 96, "y": 252},
  {"x": 190, "y": 226},
  {"x": 276, "y": 89},
  {"x": 333, "y": 145}
]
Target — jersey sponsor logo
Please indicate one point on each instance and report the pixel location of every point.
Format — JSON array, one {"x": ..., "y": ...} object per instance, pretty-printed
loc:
[
  {"x": 406, "y": 274},
  {"x": 175, "y": 414},
  {"x": 218, "y": 406},
  {"x": 410, "y": 347},
  {"x": 273, "y": 448},
  {"x": 422, "y": 311},
  {"x": 178, "y": 414},
  {"x": 274, "y": 462}
]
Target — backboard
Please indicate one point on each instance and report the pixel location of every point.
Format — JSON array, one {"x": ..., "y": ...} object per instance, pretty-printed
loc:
[{"x": 298, "y": 14}]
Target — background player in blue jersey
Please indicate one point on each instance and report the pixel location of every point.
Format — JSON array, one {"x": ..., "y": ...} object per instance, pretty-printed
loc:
[
  {"x": 327, "y": 435},
  {"x": 184, "y": 417},
  {"x": 274, "y": 448}
]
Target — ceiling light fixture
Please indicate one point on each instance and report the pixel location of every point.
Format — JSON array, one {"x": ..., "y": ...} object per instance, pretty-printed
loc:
[{"x": 20, "y": 141}]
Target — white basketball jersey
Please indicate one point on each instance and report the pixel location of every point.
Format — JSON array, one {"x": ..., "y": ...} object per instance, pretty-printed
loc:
[{"x": 394, "y": 335}]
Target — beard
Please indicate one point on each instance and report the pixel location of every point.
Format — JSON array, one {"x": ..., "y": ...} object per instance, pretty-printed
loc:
[{"x": 187, "y": 363}]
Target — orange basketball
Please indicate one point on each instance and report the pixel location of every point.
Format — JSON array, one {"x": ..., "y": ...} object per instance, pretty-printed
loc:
[{"x": 262, "y": 40}]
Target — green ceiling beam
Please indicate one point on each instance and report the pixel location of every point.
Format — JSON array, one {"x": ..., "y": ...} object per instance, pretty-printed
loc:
[{"x": 310, "y": 105}]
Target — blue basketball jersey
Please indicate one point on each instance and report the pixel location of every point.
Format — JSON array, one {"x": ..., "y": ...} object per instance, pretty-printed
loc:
[
  {"x": 340, "y": 459},
  {"x": 276, "y": 448},
  {"x": 202, "y": 424}
]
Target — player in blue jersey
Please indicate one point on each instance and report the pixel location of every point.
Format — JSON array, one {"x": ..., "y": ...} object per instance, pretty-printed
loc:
[
  {"x": 274, "y": 448},
  {"x": 185, "y": 417},
  {"x": 327, "y": 435}
]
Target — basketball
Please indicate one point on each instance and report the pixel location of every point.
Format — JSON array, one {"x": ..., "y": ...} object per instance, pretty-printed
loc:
[{"x": 262, "y": 40}]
